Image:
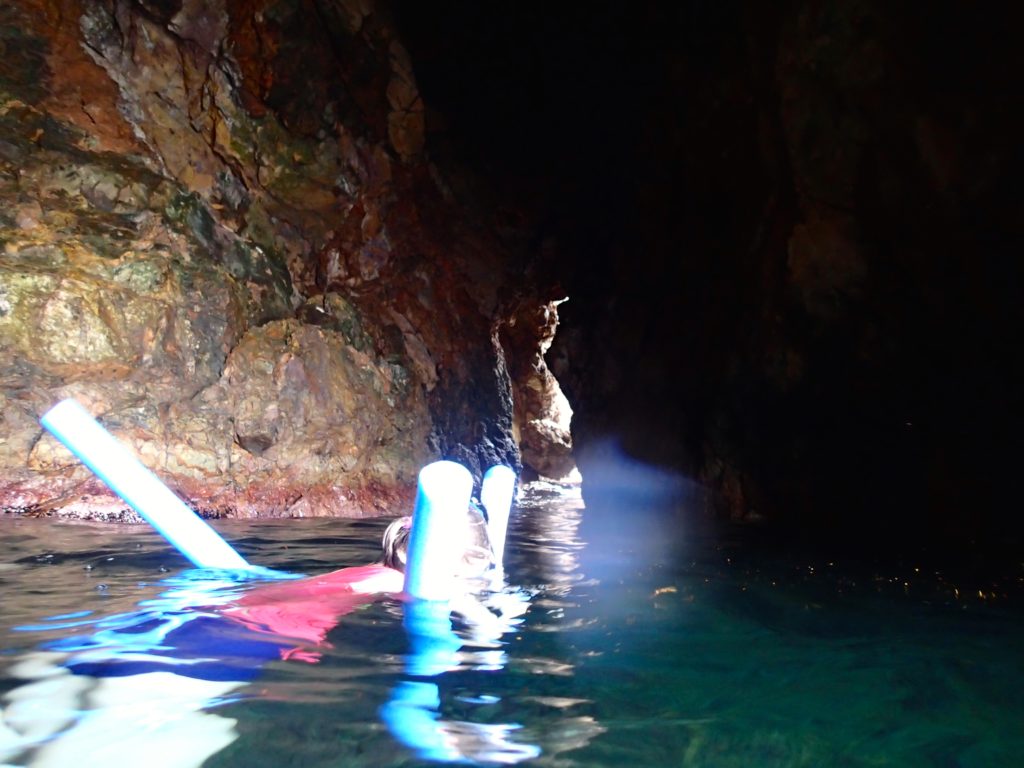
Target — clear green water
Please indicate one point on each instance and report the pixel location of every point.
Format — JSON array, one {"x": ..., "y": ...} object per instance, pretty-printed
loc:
[{"x": 648, "y": 645}]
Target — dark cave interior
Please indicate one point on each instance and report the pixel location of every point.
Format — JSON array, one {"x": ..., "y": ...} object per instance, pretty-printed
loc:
[{"x": 791, "y": 237}]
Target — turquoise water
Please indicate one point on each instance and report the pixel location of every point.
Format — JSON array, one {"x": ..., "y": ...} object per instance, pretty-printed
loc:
[{"x": 649, "y": 644}]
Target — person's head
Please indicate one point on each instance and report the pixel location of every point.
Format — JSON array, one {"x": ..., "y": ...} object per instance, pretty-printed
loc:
[
  {"x": 396, "y": 543},
  {"x": 477, "y": 556}
]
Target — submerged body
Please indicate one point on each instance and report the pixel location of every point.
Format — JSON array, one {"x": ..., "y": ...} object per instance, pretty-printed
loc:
[
  {"x": 307, "y": 610},
  {"x": 177, "y": 657},
  {"x": 231, "y": 641}
]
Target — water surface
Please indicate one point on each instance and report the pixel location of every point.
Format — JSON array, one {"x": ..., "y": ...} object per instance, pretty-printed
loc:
[{"x": 647, "y": 642}]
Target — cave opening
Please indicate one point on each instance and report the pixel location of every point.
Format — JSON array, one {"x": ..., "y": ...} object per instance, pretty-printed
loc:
[
  {"x": 738, "y": 283},
  {"x": 788, "y": 242},
  {"x": 789, "y": 235}
]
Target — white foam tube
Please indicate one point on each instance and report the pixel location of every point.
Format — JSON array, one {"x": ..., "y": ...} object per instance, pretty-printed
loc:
[
  {"x": 116, "y": 466},
  {"x": 438, "y": 534},
  {"x": 496, "y": 494}
]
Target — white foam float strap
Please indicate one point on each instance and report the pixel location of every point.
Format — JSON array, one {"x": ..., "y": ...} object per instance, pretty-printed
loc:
[{"x": 438, "y": 524}]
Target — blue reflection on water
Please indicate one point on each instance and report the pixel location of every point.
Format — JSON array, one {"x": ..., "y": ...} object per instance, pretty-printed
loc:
[
  {"x": 194, "y": 658},
  {"x": 413, "y": 714}
]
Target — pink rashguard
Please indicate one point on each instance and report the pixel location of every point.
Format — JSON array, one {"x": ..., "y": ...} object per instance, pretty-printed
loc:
[{"x": 308, "y": 609}]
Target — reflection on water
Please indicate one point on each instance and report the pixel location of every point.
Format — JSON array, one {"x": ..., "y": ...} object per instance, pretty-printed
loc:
[
  {"x": 647, "y": 639},
  {"x": 113, "y": 650}
]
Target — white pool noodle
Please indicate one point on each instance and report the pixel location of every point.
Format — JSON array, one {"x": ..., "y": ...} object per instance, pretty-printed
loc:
[
  {"x": 438, "y": 530},
  {"x": 116, "y": 466},
  {"x": 496, "y": 494}
]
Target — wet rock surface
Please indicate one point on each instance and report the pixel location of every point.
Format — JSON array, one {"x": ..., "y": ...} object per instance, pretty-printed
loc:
[
  {"x": 291, "y": 250},
  {"x": 542, "y": 414},
  {"x": 222, "y": 236}
]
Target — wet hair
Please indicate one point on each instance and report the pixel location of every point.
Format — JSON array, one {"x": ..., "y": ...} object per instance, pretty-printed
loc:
[
  {"x": 396, "y": 543},
  {"x": 477, "y": 556}
]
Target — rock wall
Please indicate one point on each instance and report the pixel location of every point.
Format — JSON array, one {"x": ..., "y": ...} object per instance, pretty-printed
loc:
[
  {"x": 221, "y": 233},
  {"x": 541, "y": 413},
  {"x": 789, "y": 234}
]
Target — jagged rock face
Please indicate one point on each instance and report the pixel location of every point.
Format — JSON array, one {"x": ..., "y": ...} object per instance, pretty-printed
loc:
[
  {"x": 541, "y": 414},
  {"x": 221, "y": 234}
]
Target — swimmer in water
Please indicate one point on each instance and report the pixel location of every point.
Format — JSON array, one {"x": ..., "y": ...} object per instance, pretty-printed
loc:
[
  {"x": 168, "y": 664},
  {"x": 168, "y": 667},
  {"x": 477, "y": 557},
  {"x": 309, "y": 608}
]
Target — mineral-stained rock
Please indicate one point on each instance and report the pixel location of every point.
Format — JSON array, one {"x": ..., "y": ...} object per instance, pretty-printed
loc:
[
  {"x": 308, "y": 405},
  {"x": 220, "y": 234},
  {"x": 406, "y": 121},
  {"x": 542, "y": 413}
]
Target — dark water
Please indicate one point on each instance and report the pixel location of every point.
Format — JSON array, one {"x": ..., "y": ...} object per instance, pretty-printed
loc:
[{"x": 645, "y": 644}]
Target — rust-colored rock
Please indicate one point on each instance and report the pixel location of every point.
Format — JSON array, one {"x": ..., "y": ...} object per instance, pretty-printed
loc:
[
  {"x": 542, "y": 414},
  {"x": 222, "y": 236}
]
